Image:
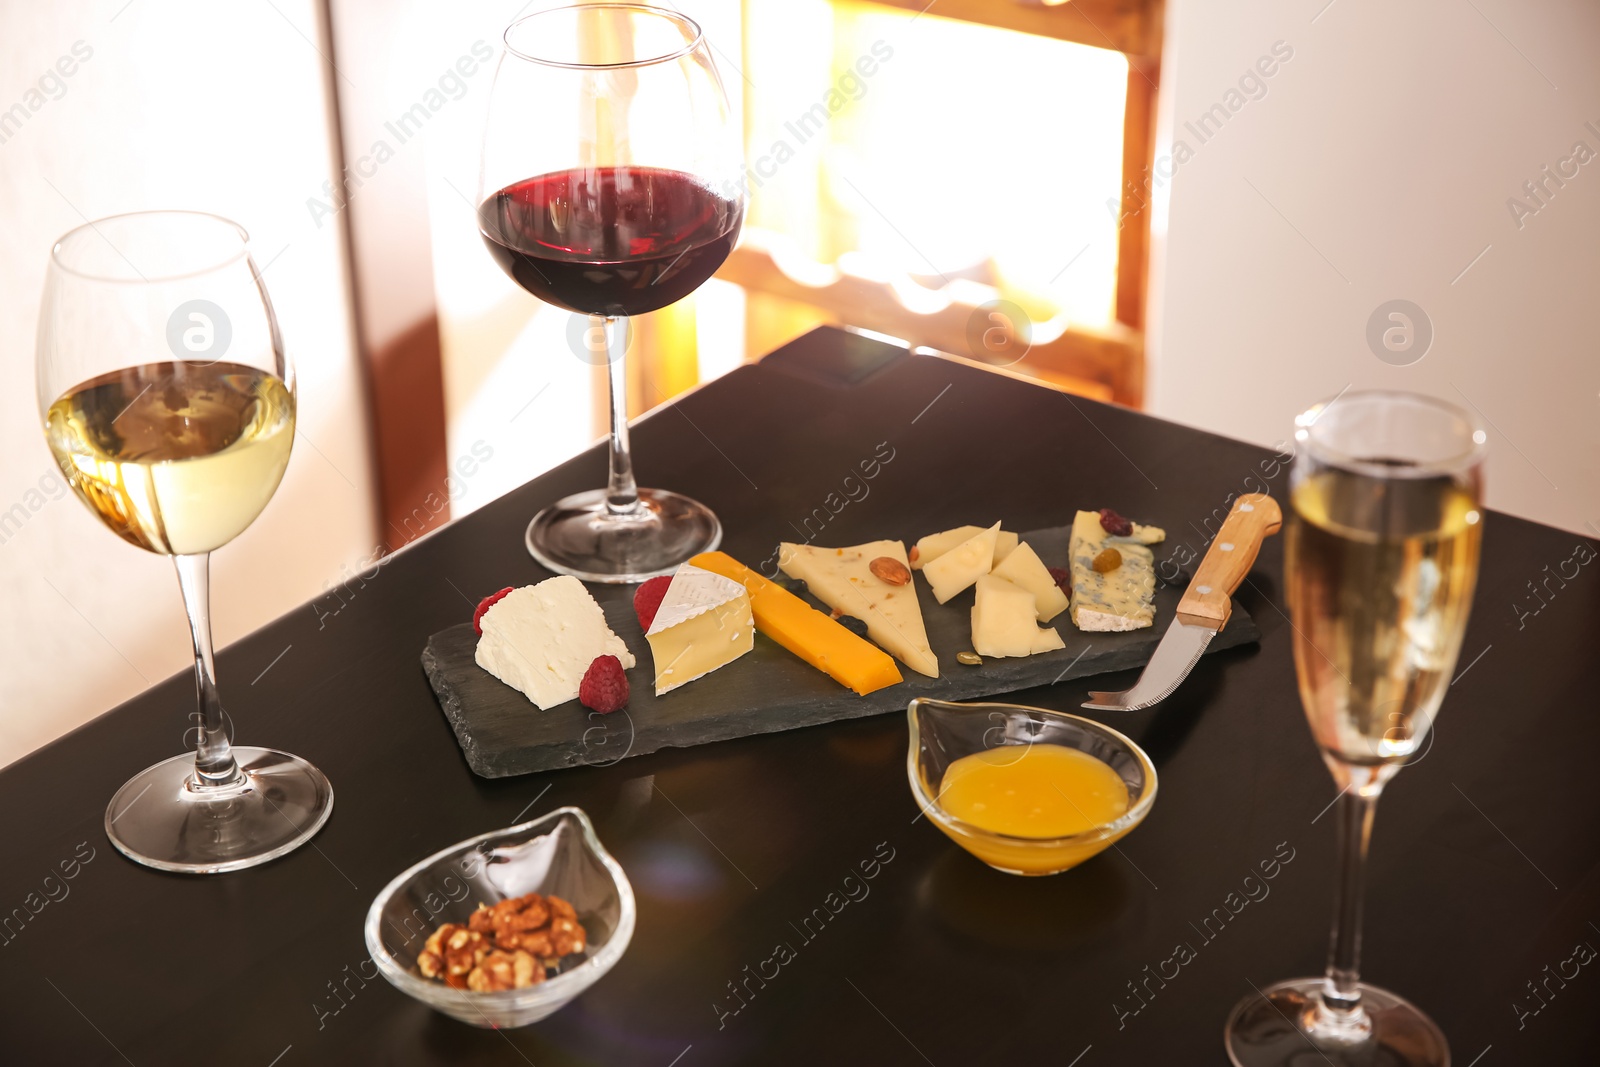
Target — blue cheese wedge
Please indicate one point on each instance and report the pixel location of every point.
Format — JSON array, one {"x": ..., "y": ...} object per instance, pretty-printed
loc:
[
  {"x": 704, "y": 622},
  {"x": 540, "y": 640},
  {"x": 842, "y": 578},
  {"x": 1121, "y": 599}
]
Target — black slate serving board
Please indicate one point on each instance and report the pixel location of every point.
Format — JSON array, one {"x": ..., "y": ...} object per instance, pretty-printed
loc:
[{"x": 501, "y": 733}]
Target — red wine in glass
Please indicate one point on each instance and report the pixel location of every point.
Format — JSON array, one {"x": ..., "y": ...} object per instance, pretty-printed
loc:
[
  {"x": 612, "y": 184},
  {"x": 610, "y": 240}
]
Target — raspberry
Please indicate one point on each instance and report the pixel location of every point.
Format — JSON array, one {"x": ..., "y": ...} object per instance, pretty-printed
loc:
[
  {"x": 484, "y": 605},
  {"x": 1115, "y": 524},
  {"x": 604, "y": 687},
  {"x": 647, "y": 600},
  {"x": 1063, "y": 579}
]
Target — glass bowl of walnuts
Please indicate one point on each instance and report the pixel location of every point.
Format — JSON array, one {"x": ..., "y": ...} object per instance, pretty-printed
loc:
[{"x": 505, "y": 928}]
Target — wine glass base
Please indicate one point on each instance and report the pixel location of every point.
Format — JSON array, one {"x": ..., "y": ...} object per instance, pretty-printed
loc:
[
  {"x": 1274, "y": 1029},
  {"x": 158, "y": 818},
  {"x": 580, "y": 536}
]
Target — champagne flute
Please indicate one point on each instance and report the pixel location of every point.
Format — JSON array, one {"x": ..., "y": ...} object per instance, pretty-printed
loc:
[
  {"x": 611, "y": 185},
  {"x": 169, "y": 404},
  {"x": 1381, "y": 560}
]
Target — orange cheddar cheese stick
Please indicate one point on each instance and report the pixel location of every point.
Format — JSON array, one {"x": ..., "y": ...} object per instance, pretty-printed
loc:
[{"x": 808, "y": 633}]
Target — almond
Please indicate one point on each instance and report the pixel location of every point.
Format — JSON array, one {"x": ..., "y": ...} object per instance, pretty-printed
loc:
[{"x": 889, "y": 571}]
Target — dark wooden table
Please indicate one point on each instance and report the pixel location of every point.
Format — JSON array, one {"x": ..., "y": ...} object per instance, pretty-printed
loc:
[{"x": 1484, "y": 874}]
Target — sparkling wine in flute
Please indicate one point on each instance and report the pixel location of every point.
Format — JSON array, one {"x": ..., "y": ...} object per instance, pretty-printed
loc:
[
  {"x": 178, "y": 457},
  {"x": 1381, "y": 556},
  {"x": 1380, "y": 581}
]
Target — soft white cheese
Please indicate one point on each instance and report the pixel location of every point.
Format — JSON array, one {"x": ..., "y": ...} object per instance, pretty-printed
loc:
[{"x": 540, "y": 640}]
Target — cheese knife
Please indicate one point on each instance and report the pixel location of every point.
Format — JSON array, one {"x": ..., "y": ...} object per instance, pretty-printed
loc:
[{"x": 1205, "y": 606}]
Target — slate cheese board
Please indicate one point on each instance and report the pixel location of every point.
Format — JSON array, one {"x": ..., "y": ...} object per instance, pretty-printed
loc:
[{"x": 502, "y": 734}]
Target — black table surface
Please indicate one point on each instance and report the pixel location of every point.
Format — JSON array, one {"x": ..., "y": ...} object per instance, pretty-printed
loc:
[{"x": 1484, "y": 892}]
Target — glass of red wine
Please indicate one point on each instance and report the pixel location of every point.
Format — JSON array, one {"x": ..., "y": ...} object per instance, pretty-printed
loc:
[{"x": 611, "y": 185}]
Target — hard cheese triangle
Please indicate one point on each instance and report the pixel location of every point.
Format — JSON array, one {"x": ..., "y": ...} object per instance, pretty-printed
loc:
[
  {"x": 842, "y": 578},
  {"x": 703, "y": 622},
  {"x": 1024, "y": 567},
  {"x": 933, "y": 546},
  {"x": 958, "y": 568}
]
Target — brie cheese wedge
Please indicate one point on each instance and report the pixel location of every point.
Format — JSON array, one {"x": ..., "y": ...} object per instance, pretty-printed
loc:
[
  {"x": 704, "y": 622},
  {"x": 540, "y": 640}
]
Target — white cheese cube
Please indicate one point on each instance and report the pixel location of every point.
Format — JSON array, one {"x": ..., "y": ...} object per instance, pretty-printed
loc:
[
  {"x": 1024, "y": 567},
  {"x": 1003, "y": 621}
]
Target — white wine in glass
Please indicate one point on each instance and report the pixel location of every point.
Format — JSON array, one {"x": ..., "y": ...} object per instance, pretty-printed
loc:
[
  {"x": 1381, "y": 558},
  {"x": 169, "y": 404}
]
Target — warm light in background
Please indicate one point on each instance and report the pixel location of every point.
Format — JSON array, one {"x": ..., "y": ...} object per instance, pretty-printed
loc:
[{"x": 917, "y": 150}]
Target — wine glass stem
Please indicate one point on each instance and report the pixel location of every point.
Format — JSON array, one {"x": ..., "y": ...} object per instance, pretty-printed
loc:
[
  {"x": 213, "y": 760},
  {"x": 622, "y": 493},
  {"x": 1341, "y": 986}
]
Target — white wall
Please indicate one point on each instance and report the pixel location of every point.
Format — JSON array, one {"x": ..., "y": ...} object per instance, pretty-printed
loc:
[
  {"x": 218, "y": 107},
  {"x": 1377, "y": 166}
]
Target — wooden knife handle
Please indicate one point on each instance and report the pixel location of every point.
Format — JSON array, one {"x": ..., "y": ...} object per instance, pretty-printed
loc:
[{"x": 1209, "y": 599}]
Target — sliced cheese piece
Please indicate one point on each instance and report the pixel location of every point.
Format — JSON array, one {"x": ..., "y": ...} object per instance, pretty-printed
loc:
[
  {"x": 1024, "y": 567},
  {"x": 933, "y": 546},
  {"x": 1004, "y": 621},
  {"x": 540, "y": 640},
  {"x": 704, "y": 622},
  {"x": 1004, "y": 545},
  {"x": 842, "y": 578},
  {"x": 958, "y": 568},
  {"x": 1123, "y": 599},
  {"x": 850, "y": 660}
]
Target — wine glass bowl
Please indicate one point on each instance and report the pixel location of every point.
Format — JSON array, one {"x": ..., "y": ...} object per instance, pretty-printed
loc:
[
  {"x": 1381, "y": 559},
  {"x": 168, "y": 402},
  {"x": 612, "y": 184}
]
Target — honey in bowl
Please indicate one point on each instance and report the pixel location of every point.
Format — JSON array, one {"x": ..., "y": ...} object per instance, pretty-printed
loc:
[{"x": 1051, "y": 795}]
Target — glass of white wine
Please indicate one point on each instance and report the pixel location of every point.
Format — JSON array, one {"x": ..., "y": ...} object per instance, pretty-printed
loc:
[
  {"x": 169, "y": 404},
  {"x": 1381, "y": 561}
]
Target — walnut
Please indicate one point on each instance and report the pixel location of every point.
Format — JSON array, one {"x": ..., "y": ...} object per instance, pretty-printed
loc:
[
  {"x": 505, "y": 970},
  {"x": 463, "y": 949},
  {"x": 505, "y": 945},
  {"x": 566, "y": 937}
]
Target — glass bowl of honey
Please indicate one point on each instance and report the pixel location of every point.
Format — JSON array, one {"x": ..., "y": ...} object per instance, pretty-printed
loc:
[{"x": 1026, "y": 790}]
